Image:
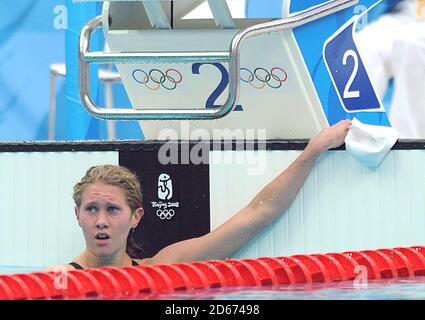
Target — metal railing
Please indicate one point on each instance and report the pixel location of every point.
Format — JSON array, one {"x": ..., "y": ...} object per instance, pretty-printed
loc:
[
  {"x": 106, "y": 76},
  {"x": 232, "y": 57}
]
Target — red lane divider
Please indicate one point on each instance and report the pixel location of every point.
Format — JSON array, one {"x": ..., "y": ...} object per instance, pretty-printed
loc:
[
  {"x": 402, "y": 264},
  {"x": 283, "y": 272},
  {"x": 248, "y": 273},
  {"x": 179, "y": 279},
  {"x": 144, "y": 281},
  {"x": 197, "y": 279},
  {"x": 362, "y": 259},
  {"x": 232, "y": 277},
  {"x": 299, "y": 270},
  {"x": 315, "y": 266},
  {"x": 415, "y": 258},
  {"x": 346, "y": 262},
  {"x": 211, "y": 274},
  {"x": 90, "y": 284},
  {"x": 6, "y": 291},
  {"x": 335, "y": 271},
  {"x": 263, "y": 272},
  {"x": 139, "y": 282},
  {"x": 18, "y": 287}
]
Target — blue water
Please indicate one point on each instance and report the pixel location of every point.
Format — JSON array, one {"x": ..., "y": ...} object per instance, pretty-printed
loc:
[{"x": 393, "y": 289}]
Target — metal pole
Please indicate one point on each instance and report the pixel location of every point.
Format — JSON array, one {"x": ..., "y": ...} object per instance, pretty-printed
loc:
[{"x": 52, "y": 111}]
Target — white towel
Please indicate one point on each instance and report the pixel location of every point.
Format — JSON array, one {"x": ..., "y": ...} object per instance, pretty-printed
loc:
[{"x": 369, "y": 144}]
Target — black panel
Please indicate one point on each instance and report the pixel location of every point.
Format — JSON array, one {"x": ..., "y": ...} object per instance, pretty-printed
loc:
[
  {"x": 59, "y": 146},
  {"x": 190, "y": 186}
]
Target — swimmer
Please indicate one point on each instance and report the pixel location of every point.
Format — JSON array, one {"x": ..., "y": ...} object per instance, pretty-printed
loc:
[{"x": 108, "y": 206}]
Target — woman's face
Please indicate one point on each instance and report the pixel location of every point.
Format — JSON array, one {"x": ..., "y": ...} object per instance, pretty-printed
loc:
[{"x": 106, "y": 219}]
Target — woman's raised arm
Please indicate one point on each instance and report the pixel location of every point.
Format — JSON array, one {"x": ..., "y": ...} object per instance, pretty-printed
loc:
[{"x": 264, "y": 208}]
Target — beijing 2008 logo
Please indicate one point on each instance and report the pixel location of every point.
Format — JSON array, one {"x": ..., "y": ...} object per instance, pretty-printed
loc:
[{"x": 165, "y": 209}]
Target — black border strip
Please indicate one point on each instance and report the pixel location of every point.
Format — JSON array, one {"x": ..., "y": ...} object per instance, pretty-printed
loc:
[{"x": 146, "y": 145}]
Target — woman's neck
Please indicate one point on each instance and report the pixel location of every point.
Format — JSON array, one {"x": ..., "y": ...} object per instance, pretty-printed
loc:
[{"x": 88, "y": 260}]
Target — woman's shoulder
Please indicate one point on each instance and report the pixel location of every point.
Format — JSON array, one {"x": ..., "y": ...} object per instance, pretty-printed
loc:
[
  {"x": 144, "y": 261},
  {"x": 59, "y": 268}
]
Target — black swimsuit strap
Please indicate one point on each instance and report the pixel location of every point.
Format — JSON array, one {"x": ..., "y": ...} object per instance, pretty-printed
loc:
[{"x": 78, "y": 267}]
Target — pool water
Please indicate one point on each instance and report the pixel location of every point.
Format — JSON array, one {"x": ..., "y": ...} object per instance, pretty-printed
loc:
[{"x": 392, "y": 289}]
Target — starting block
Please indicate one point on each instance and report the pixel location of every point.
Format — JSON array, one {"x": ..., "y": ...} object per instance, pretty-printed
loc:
[{"x": 244, "y": 73}]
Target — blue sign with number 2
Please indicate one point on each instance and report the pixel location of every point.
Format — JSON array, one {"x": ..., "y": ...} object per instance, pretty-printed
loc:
[{"x": 348, "y": 73}]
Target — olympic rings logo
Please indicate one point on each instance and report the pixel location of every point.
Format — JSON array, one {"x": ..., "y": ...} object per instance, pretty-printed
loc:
[
  {"x": 155, "y": 78},
  {"x": 165, "y": 214},
  {"x": 261, "y": 77}
]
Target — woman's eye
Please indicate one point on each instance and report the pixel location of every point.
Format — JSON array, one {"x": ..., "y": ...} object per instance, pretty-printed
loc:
[
  {"x": 91, "y": 209},
  {"x": 113, "y": 209}
]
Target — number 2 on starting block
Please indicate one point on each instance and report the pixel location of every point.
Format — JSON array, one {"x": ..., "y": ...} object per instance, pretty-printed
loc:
[{"x": 348, "y": 73}]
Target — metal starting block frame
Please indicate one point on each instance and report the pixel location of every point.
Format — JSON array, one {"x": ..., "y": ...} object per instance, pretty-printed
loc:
[{"x": 158, "y": 19}]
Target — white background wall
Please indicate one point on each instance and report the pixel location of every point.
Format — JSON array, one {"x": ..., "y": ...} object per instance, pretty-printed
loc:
[
  {"x": 37, "y": 223},
  {"x": 342, "y": 206}
]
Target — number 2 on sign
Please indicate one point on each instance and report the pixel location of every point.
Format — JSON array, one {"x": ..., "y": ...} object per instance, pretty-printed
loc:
[
  {"x": 347, "y": 92},
  {"x": 211, "y": 101}
]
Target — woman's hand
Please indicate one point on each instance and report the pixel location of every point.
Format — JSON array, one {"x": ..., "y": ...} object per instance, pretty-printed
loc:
[
  {"x": 329, "y": 138},
  {"x": 263, "y": 209}
]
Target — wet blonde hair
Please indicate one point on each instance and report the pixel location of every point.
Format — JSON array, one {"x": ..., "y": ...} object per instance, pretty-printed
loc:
[
  {"x": 112, "y": 175},
  {"x": 122, "y": 178}
]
